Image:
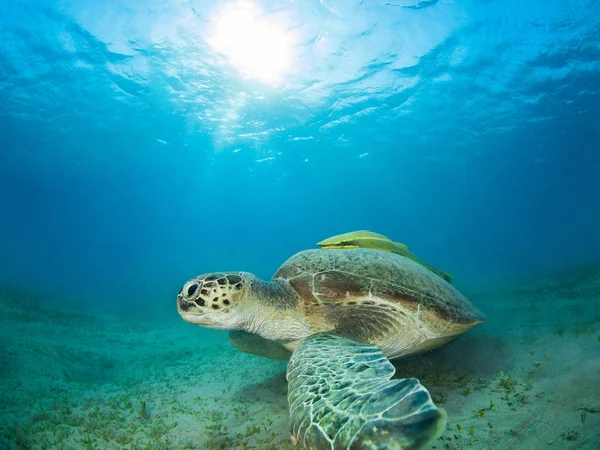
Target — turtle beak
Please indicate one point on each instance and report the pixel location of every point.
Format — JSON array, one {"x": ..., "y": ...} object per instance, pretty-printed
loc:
[
  {"x": 192, "y": 313},
  {"x": 183, "y": 305},
  {"x": 198, "y": 319}
]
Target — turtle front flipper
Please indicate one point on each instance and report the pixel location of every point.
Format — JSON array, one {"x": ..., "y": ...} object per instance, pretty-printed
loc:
[
  {"x": 341, "y": 396},
  {"x": 258, "y": 345}
]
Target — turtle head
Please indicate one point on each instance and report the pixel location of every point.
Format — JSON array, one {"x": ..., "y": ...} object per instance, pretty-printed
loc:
[{"x": 215, "y": 300}]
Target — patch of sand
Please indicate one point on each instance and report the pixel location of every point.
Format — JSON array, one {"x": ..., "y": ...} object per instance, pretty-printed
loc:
[{"x": 526, "y": 379}]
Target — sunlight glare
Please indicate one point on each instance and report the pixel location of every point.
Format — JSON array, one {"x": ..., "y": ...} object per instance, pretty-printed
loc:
[{"x": 256, "y": 46}]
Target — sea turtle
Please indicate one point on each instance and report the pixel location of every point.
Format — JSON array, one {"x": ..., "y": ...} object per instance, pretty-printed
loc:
[
  {"x": 368, "y": 239},
  {"x": 341, "y": 314}
]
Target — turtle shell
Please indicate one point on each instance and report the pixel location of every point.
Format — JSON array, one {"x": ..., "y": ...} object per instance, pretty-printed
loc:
[{"x": 363, "y": 283}]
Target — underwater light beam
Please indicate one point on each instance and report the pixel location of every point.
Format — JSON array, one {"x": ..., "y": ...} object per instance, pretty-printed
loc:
[{"x": 256, "y": 47}]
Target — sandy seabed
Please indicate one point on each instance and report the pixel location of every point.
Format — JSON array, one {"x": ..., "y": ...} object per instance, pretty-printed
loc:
[{"x": 73, "y": 377}]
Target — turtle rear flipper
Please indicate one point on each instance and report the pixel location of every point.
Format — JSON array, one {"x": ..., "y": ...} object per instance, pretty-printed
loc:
[{"x": 341, "y": 396}]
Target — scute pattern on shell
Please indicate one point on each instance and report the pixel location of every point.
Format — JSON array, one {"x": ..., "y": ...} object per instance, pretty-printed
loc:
[{"x": 327, "y": 276}]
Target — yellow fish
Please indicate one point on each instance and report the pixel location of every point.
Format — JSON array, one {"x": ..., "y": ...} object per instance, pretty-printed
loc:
[{"x": 368, "y": 239}]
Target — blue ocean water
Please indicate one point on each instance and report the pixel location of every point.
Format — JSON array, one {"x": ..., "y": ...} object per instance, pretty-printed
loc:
[{"x": 145, "y": 142}]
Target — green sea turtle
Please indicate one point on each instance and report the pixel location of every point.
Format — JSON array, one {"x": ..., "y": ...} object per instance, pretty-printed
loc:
[
  {"x": 341, "y": 314},
  {"x": 368, "y": 239}
]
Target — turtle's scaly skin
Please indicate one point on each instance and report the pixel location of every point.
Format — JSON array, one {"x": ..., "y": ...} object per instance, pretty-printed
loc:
[
  {"x": 329, "y": 307},
  {"x": 341, "y": 396},
  {"x": 368, "y": 295}
]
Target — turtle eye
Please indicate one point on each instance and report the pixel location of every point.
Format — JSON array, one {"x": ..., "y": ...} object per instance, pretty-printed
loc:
[{"x": 191, "y": 290}]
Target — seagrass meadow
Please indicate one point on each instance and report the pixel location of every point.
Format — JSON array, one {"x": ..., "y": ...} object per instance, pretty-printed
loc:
[{"x": 91, "y": 378}]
